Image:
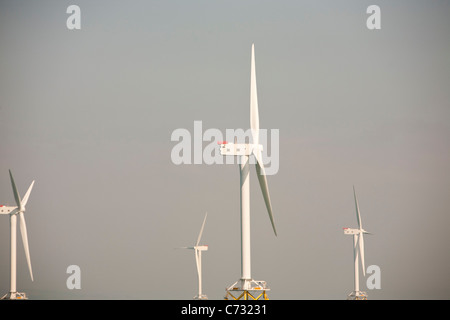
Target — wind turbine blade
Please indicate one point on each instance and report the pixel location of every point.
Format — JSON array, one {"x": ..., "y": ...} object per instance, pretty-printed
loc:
[
  {"x": 16, "y": 194},
  {"x": 358, "y": 215},
  {"x": 23, "y": 231},
  {"x": 197, "y": 263},
  {"x": 261, "y": 173},
  {"x": 25, "y": 197},
  {"x": 201, "y": 230},
  {"x": 361, "y": 251},
  {"x": 254, "y": 115}
]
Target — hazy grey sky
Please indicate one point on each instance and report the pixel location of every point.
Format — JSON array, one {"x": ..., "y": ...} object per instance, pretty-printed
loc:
[{"x": 89, "y": 115}]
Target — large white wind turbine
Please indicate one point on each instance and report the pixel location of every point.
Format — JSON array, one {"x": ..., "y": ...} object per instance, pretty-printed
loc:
[
  {"x": 13, "y": 212},
  {"x": 358, "y": 249},
  {"x": 198, "y": 261},
  {"x": 247, "y": 288}
]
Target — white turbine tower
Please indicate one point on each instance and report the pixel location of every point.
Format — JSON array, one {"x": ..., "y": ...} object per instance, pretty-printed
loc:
[
  {"x": 198, "y": 261},
  {"x": 246, "y": 288},
  {"x": 358, "y": 249},
  {"x": 13, "y": 212}
]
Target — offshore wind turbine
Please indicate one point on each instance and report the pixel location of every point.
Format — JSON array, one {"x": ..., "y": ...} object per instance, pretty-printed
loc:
[
  {"x": 198, "y": 261},
  {"x": 358, "y": 251},
  {"x": 13, "y": 212},
  {"x": 246, "y": 288}
]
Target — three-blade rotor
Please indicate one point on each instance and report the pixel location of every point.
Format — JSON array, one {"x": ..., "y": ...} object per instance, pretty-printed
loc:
[
  {"x": 21, "y": 203},
  {"x": 361, "y": 232},
  {"x": 198, "y": 248}
]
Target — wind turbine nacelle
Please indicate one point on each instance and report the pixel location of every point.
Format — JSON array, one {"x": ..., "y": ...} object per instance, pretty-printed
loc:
[
  {"x": 351, "y": 231},
  {"x": 237, "y": 149},
  {"x": 202, "y": 248},
  {"x": 6, "y": 210}
]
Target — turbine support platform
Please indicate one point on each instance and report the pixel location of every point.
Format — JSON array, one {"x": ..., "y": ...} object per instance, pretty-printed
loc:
[
  {"x": 201, "y": 297},
  {"x": 357, "y": 295},
  {"x": 15, "y": 296},
  {"x": 247, "y": 289}
]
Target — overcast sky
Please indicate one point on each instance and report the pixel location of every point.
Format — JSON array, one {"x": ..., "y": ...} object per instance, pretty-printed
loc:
[{"x": 89, "y": 115}]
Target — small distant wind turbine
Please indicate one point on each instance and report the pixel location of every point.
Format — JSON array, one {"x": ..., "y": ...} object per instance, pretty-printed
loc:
[
  {"x": 13, "y": 212},
  {"x": 198, "y": 261},
  {"x": 358, "y": 248},
  {"x": 246, "y": 287}
]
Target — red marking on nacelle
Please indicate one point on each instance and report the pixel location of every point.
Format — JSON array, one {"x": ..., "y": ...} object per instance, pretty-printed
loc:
[
  {"x": 344, "y": 228},
  {"x": 222, "y": 142}
]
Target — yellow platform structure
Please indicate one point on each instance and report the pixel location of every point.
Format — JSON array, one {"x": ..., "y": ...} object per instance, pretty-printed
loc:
[{"x": 247, "y": 289}]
